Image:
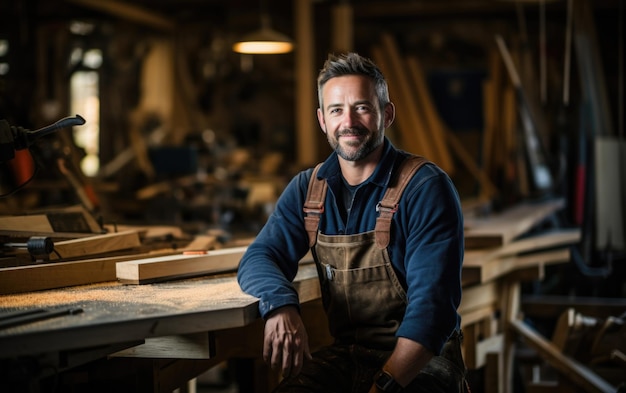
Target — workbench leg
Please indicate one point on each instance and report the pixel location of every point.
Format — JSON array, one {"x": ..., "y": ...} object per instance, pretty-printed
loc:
[
  {"x": 493, "y": 373},
  {"x": 510, "y": 311}
]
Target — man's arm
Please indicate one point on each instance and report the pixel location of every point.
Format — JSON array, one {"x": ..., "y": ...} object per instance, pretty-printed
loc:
[{"x": 406, "y": 361}]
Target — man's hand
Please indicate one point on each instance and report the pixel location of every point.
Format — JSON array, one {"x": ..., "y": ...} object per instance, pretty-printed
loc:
[{"x": 286, "y": 342}]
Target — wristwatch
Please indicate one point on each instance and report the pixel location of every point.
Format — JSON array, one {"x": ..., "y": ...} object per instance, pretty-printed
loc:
[{"x": 385, "y": 382}]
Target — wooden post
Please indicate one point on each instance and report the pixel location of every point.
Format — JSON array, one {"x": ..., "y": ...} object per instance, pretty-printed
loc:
[
  {"x": 343, "y": 30},
  {"x": 306, "y": 122}
]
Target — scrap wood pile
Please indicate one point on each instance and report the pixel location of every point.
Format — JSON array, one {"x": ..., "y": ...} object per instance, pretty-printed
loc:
[
  {"x": 599, "y": 343},
  {"x": 585, "y": 353}
]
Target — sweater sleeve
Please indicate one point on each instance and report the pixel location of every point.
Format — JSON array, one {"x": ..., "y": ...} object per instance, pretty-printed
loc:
[
  {"x": 433, "y": 227},
  {"x": 270, "y": 263}
]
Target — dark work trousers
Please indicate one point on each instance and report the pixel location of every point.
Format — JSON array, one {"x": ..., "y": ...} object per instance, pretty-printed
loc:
[{"x": 350, "y": 369}]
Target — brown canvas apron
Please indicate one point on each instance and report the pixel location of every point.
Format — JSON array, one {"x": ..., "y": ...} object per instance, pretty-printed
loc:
[{"x": 362, "y": 295}]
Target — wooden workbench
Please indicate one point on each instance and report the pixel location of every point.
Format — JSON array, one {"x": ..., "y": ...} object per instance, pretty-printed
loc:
[
  {"x": 132, "y": 320},
  {"x": 158, "y": 336}
]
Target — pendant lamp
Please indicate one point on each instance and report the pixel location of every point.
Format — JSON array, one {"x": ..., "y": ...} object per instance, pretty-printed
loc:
[{"x": 264, "y": 41}]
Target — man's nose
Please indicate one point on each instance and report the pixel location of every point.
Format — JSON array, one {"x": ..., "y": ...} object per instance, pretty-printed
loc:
[{"x": 349, "y": 119}]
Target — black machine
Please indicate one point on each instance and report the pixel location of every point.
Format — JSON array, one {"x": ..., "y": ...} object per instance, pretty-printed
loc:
[{"x": 17, "y": 138}]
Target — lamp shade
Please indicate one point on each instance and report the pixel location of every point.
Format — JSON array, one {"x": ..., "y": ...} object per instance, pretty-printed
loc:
[{"x": 264, "y": 41}]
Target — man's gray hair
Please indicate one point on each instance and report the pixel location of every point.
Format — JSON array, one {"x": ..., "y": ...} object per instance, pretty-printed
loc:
[{"x": 353, "y": 64}]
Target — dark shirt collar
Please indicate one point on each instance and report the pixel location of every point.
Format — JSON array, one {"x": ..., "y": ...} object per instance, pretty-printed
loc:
[{"x": 330, "y": 169}]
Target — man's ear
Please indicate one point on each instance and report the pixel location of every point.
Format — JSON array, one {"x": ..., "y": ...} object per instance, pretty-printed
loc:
[
  {"x": 390, "y": 114},
  {"x": 320, "y": 119}
]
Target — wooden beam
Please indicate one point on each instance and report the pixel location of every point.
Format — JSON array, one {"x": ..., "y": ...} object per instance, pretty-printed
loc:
[
  {"x": 414, "y": 138},
  {"x": 433, "y": 124},
  {"x": 568, "y": 367},
  {"x": 343, "y": 28},
  {"x": 307, "y": 130},
  {"x": 131, "y": 12},
  {"x": 488, "y": 188}
]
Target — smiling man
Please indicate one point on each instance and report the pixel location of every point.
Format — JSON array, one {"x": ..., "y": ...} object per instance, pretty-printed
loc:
[{"x": 386, "y": 232}]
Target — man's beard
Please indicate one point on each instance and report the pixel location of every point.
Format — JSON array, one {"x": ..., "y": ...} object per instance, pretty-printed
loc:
[{"x": 364, "y": 149}]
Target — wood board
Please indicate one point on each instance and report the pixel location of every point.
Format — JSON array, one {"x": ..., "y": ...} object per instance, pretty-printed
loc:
[
  {"x": 543, "y": 241},
  {"x": 53, "y": 275},
  {"x": 182, "y": 266},
  {"x": 72, "y": 219},
  {"x": 80, "y": 272},
  {"x": 179, "y": 266},
  {"x": 502, "y": 228},
  {"x": 494, "y": 268},
  {"x": 95, "y": 245}
]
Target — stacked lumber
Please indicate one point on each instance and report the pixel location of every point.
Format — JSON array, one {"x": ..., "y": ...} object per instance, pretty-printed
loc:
[
  {"x": 92, "y": 259},
  {"x": 502, "y": 249}
]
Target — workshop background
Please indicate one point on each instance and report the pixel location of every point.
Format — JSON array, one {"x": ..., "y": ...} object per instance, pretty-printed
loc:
[{"x": 520, "y": 101}]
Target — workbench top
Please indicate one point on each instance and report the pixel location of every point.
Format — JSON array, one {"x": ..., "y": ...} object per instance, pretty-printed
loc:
[{"x": 116, "y": 313}]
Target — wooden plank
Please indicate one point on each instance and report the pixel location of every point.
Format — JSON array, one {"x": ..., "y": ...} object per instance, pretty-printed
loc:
[
  {"x": 186, "y": 346},
  {"x": 305, "y": 74},
  {"x": 35, "y": 222},
  {"x": 70, "y": 219},
  {"x": 95, "y": 245},
  {"x": 480, "y": 265},
  {"x": 552, "y": 239},
  {"x": 568, "y": 367},
  {"x": 501, "y": 228},
  {"x": 182, "y": 265},
  {"x": 479, "y": 297},
  {"x": 432, "y": 121},
  {"x": 414, "y": 135},
  {"x": 52, "y": 275},
  {"x": 488, "y": 346},
  {"x": 488, "y": 189},
  {"x": 178, "y": 266},
  {"x": 499, "y": 267}
]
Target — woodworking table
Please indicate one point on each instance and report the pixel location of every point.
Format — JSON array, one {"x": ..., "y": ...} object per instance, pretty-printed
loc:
[
  {"x": 131, "y": 321},
  {"x": 156, "y": 337},
  {"x": 171, "y": 332}
]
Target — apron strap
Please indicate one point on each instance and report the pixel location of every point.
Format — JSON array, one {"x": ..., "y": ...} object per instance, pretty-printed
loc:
[
  {"x": 389, "y": 204},
  {"x": 314, "y": 205},
  {"x": 316, "y": 195}
]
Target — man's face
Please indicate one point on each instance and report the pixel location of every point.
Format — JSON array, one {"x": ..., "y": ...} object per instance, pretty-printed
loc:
[{"x": 351, "y": 117}]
